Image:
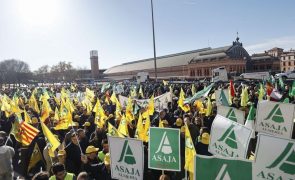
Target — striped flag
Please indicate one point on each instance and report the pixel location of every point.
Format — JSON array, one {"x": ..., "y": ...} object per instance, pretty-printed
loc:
[
  {"x": 23, "y": 132},
  {"x": 27, "y": 133}
]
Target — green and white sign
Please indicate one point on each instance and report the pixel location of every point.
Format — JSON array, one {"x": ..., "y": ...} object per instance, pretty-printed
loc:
[
  {"x": 214, "y": 168},
  {"x": 126, "y": 158},
  {"x": 164, "y": 149},
  {"x": 228, "y": 138},
  {"x": 275, "y": 158},
  {"x": 275, "y": 118},
  {"x": 231, "y": 113},
  {"x": 221, "y": 97}
]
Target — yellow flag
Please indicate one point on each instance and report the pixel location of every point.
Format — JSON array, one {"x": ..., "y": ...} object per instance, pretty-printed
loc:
[
  {"x": 118, "y": 110},
  {"x": 165, "y": 83},
  {"x": 89, "y": 94},
  {"x": 112, "y": 131},
  {"x": 27, "y": 117},
  {"x": 114, "y": 98},
  {"x": 244, "y": 97},
  {"x": 129, "y": 110},
  {"x": 54, "y": 143},
  {"x": 46, "y": 109},
  {"x": 190, "y": 151},
  {"x": 139, "y": 129},
  {"x": 123, "y": 127},
  {"x": 209, "y": 107},
  {"x": 56, "y": 114},
  {"x": 147, "y": 125},
  {"x": 184, "y": 107},
  {"x": 33, "y": 103},
  {"x": 141, "y": 92},
  {"x": 36, "y": 156},
  {"x": 151, "y": 106}
]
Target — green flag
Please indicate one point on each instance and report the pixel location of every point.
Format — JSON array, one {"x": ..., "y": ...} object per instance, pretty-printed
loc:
[
  {"x": 250, "y": 120},
  {"x": 199, "y": 94}
]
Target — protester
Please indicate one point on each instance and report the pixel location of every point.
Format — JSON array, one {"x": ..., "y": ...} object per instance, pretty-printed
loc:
[
  {"x": 79, "y": 123},
  {"x": 60, "y": 173},
  {"x": 6, "y": 155}
]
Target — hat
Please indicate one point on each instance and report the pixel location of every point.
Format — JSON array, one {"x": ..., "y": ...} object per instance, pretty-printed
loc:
[
  {"x": 34, "y": 120},
  {"x": 110, "y": 116},
  {"x": 87, "y": 124},
  {"x": 91, "y": 149},
  {"x": 74, "y": 124},
  {"x": 178, "y": 122},
  {"x": 61, "y": 152},
  {"x": 182, "y": 129},
  {"x": 165, "y": 122},
  {"x": 205, "y": 138},
  {"x": 107, "y": 159}
]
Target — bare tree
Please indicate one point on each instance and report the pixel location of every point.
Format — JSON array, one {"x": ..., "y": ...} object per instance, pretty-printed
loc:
[{"x": 14, "y": 71}]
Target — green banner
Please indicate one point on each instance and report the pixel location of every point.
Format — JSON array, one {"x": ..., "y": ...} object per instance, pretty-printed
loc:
[
  {"x": 164, "y": 149},
  {"x": 213, "y": 168}
]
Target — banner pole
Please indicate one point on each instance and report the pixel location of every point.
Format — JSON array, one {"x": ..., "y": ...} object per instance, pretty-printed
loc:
[{"x": 78, "y": 140}]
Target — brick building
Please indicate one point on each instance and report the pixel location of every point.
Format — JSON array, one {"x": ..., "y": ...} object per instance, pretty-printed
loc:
[{"x": 199, "y": 63}]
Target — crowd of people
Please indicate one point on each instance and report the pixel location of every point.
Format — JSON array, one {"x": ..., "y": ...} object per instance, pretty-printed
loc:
[{"x": 84, "y": 149}]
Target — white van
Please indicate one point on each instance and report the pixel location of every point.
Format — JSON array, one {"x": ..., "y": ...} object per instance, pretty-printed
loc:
[
  {"x": 255, "y": 75},
  {"x": 142, "y": 77},
  {"x": 219, "y": 74}
]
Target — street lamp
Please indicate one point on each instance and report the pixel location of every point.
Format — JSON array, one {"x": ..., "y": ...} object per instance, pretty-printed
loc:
[{"x": 154, "y": 43}]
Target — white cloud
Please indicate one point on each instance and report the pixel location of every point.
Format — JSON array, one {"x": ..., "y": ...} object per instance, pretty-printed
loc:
[{"x": 283, "y": 42}]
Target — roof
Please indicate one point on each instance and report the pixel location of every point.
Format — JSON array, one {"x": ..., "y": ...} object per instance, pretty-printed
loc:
[
  {"x": 212, "y": 53},
  {"x": 253, "y": 58},
  {"x": 178, "y": 59}
]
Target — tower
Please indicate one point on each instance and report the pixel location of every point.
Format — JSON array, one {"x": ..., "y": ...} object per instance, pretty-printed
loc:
[{"x": 94, "y": 64}]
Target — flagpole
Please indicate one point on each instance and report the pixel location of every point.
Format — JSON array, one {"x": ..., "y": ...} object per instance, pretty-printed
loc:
[
  {"x": 78, "y": 141},
  {"x": 154, "y": 41}
]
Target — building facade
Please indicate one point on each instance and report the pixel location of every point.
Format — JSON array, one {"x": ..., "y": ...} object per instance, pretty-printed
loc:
[
  {"x": 267, "y": 61},
  {"x": 288, "y": 61},
  {"x": 198, "y": 64},
  {"x": 234, "y": 58}
]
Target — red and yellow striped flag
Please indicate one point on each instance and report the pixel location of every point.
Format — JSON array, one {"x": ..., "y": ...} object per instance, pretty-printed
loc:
[{"x": 27, "y": 133}]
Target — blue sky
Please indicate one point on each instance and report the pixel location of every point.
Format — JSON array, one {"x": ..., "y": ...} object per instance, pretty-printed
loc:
[{"x": 43, "y": 32}]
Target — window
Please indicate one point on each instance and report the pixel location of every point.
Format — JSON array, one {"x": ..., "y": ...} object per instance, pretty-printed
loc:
[
  {"x": 289, "y": 63},
  {"x": 284, "y": 64}
]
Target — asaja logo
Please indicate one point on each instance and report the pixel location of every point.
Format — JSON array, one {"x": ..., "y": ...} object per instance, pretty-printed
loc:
[
  {"x": 275, "y": 114},
  {"x": 227, "y": 145},
  {"x": 164, "y": 151},
  {"x": 231, "y": 115},
  {"x": 286, "y": 160},
  {"x": 126, "y": 154},
  {"x": 128, "y": 169},
  {"x": 223, "y": 173},
  {"x": 229, "y": 137},
  {"x": 164, "y": 146},
  {"x": 274, "y": 122}
]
